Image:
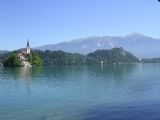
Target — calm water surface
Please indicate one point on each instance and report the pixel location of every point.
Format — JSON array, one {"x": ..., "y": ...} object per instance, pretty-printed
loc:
[{"x": 118, "y": 92}]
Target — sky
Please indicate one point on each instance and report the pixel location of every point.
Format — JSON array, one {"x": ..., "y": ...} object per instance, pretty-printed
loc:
[{"x": 53, "y": 21}]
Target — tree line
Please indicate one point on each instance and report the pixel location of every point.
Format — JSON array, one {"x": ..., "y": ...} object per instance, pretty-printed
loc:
[{"x": 38, "y": 58}]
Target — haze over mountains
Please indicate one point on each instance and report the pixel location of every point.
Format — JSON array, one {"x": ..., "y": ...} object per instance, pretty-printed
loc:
[
  {"x": 138, "y": 44},
  {"x": 3, "y": 51}
]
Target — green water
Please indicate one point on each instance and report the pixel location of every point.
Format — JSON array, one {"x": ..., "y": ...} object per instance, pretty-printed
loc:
[{"x": 111, "y": 92}]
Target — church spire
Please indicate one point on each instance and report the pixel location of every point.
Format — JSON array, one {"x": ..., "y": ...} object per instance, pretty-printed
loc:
[
  {"x": 28, "y": 43},
  {"x": 28, "y": 47}
]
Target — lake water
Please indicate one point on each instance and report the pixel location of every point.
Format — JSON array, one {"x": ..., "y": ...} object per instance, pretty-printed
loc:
[{"x": 111, "y": 92}]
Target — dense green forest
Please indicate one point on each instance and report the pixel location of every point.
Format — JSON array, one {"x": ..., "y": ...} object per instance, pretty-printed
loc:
[
  {"x": 62, "y": 58},
  {"x": 12, "y": 61},
  {"x": 115, "y": 55},
  {"x": 34, "y": 59},
  {"x": 112, "y": 56}
]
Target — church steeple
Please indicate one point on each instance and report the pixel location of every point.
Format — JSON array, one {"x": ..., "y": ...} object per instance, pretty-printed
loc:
[
  {"x": 28, "y": 43},
  {"x": 28, "y": 47}
]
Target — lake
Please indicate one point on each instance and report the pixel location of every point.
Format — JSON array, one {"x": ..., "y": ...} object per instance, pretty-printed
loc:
[{"x": 109, "y": 92}]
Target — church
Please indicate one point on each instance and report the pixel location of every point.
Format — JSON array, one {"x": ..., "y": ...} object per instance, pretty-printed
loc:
[
  {"x": 28, "y": 50},
  {"x": 23, "y": 55}
]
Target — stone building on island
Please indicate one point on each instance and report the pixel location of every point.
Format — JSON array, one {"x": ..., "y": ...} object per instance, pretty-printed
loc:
[{"x": 23, "y": 55}]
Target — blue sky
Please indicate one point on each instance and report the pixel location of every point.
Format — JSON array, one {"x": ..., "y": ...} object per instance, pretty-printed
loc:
[{"x": 53, "y": 21}]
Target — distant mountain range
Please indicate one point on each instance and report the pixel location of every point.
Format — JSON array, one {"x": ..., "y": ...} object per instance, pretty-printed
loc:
[
  {"x": 3, "y": 52},
  {"x": 140, "y": 45}
]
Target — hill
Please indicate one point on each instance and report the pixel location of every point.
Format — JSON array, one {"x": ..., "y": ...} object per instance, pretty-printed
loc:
[
  {"x": 140, "y": 45},
  {"x": 115, "y": 55}
]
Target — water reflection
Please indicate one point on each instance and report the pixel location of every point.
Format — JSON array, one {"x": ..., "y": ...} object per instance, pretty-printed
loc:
[
  {"x": 116, "y": 73},
  {"x": 64, "y": 73},
  {"x": 28, "y": 73},
  {"x": 79, "y": 92}
]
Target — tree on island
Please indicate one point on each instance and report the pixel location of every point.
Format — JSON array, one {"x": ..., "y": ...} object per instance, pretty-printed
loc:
[
  {"x": 13, "y": 61},
  {"x": 34, "y": 59}
]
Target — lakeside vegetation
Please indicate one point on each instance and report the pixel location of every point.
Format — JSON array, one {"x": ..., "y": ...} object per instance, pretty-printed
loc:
[
  {"x": 115, "y": 55},
  {"x": 63, "y": 58},
  {"x": 39, "y": 58},
  {"x": 34, "y": 59},
  {"x": 12, "y": 61}
]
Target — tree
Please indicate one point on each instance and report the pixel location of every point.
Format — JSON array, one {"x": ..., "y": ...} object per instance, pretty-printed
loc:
[
  {"x": 34, "y": 59},
  {"x": 13, "y": 61}
]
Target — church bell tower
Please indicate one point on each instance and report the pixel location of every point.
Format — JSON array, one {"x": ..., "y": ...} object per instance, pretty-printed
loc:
[{"x": 28, "y": 48}]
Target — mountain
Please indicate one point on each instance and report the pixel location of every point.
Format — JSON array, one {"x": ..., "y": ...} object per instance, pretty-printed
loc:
[
  {"x": 3, "y": 52},
  {"x": 140, "y": 45},
  {"x": 115, "y": 55}
]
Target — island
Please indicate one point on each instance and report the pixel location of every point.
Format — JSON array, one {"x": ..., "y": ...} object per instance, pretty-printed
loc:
[{"x": 21, "y": 58}]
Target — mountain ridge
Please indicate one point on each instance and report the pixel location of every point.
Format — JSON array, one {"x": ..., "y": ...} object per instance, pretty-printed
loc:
[{"x": 140, "y": 45}]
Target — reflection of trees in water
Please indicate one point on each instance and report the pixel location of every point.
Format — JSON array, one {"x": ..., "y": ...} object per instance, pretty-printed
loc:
[
  {"x": 115, "y": 72},
  {"x": 63, "y": 72},
  {"x": 37, "y": 72},
  {"x": 25, "y": 76},
  {"x": 28, "y": 74},
  {"x": 19, "y": 75},
  {"x": 59, "y": 74}
]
